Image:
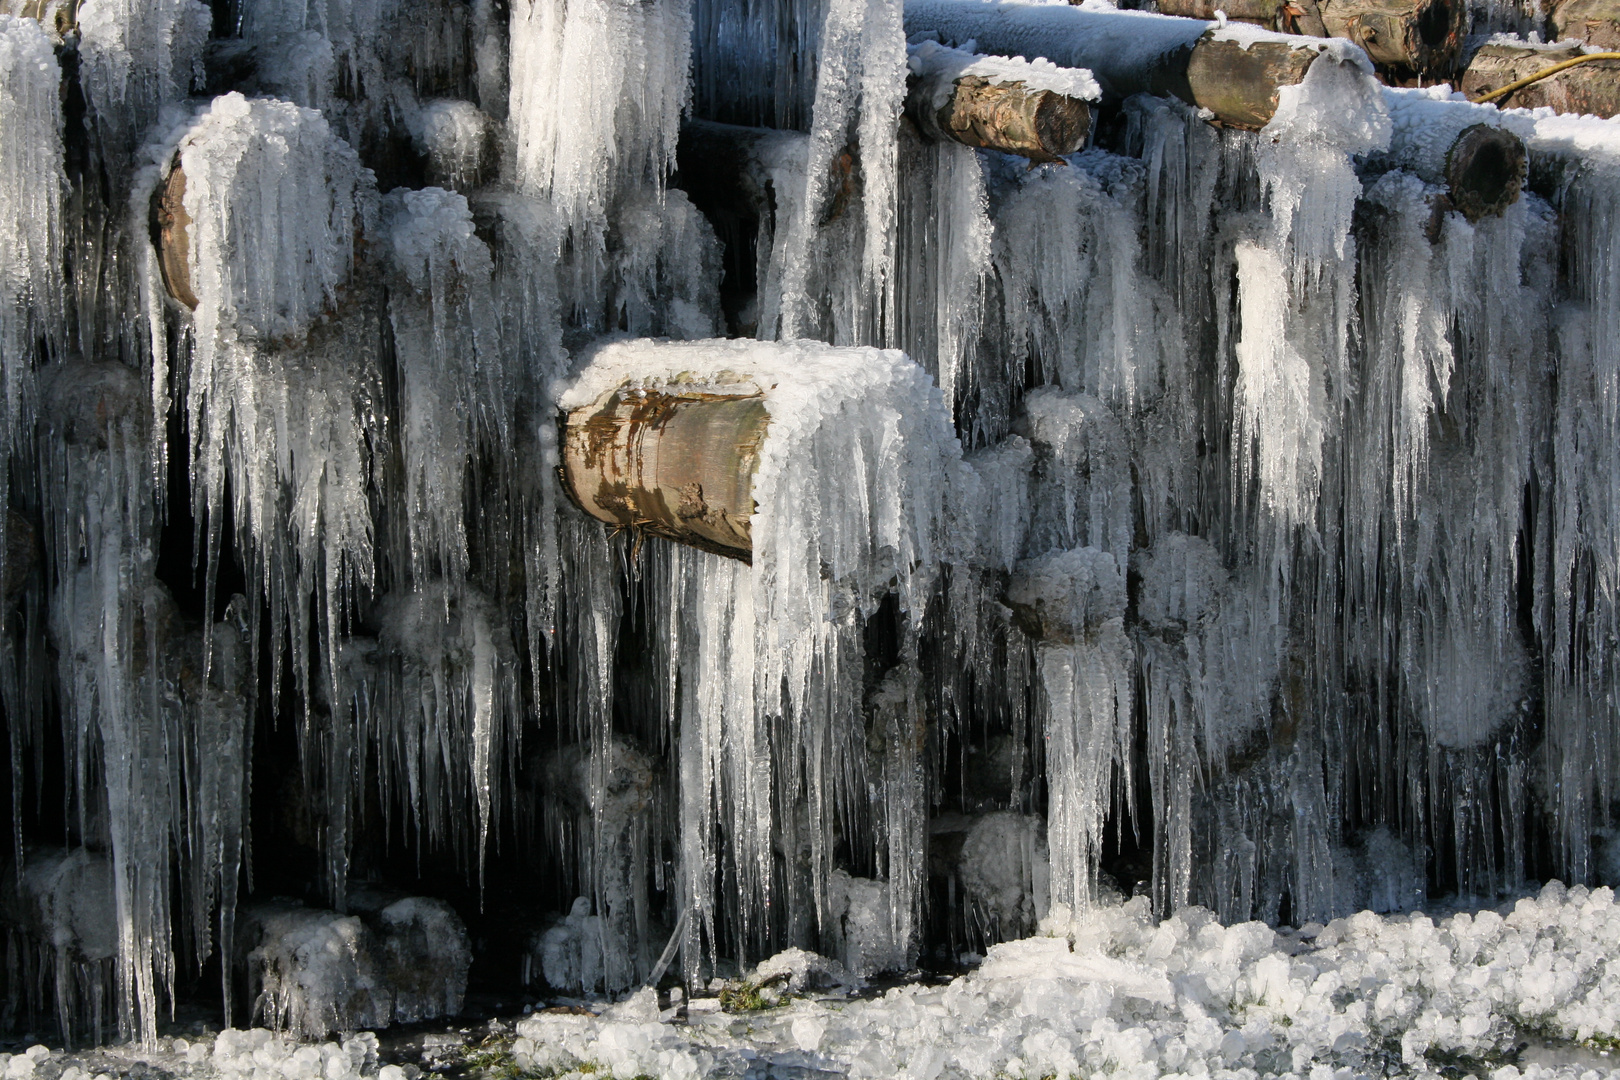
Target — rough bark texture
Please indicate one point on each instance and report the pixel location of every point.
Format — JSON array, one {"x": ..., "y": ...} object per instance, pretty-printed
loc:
[
  {"x": 1419, "y": 36},
  {"x": 170, "y": 223},
  {"x": 1241, "y": 85},
  {"x": 1596, "y": 22},
  {"x": 1041, "y": 125},
  {"x": 1485, "y": 171},
  {"x": 1416, "y": 36},
  {"x": 1587, "y": 88},
  {"x": 680, "y": 466}
]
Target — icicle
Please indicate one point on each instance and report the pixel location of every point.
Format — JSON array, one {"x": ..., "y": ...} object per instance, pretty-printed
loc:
[
  {"x": 860, "y": 84},
  {"x": 598, "y": 87},
  {"x": 850, "y": 492}
]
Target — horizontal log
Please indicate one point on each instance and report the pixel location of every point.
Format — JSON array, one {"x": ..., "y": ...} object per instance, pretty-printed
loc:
[
  {"x": 997, "y": 103},
  {"x": 1409, "y": 36},
  {"x": 1463, "y": 147},
  {"x": 1596, "y": 22},
  {"x": 1592, "y": 88},
  {"x": 1235, "y": 74},
  {"x": 678, "y": 465}
]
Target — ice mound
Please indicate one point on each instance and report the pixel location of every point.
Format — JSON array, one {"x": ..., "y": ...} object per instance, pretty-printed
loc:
[
  {"x": 1003, "y": 869},
  {"x": 575, "y": 953},
  {"x": 316, "y": 971}
]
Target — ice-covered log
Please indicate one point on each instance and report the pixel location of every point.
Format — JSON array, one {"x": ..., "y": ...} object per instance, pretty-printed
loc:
[
  {"x": 1420, "y": 36},
  {"x": 1035, "y": 109},
  {"x": 171, "y": 228},
  {"x": 676, "y": 462},
  {"x": 58, "y": 16},
  {"x": 1475, "y": 152},
  {"x": 1236, "y": 71},
  {"x": 1592, "y": 87},
  {"x": 1596, "y": 22}
]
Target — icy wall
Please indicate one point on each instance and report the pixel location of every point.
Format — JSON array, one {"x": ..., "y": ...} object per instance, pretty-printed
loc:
[{"x": 1216, "y": 515}]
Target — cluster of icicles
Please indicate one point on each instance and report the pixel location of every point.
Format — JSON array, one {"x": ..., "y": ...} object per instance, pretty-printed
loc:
[{"x": 1280, "y": 520}]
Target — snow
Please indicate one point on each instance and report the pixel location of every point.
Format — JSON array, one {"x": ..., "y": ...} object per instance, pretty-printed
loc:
[
  {"x": 940, "y": 67},
  {"x": 1364, "y": 995}
]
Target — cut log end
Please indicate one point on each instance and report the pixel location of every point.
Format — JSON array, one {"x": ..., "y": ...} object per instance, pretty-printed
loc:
[
  {"x": 1240, "y": 83},
  {"x": 1415, "y": 36},
  {"x": 1041, "y": 125},
  {"x": 1485, "y": 171},
  {"x": 677, "y": 465},
  {"x": 170, "y": 228}
]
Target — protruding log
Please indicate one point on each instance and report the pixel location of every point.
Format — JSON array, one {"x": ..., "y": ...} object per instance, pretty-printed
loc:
[
  {"x": 170, "y": 225},
  {"x": 679, "y": 465},
  {"x": 1418, "y": 36},
  {"x": 1468, "y": 149},
  {"x": 1037, "y": 111},
  {"x": 1485, "y": 171},
  {"x": 1236, "y": 75},
  {"x": 1586, "y": 88},
  {"x": 1596, "y": 22},
  {"x": 1041, "y": 125}
]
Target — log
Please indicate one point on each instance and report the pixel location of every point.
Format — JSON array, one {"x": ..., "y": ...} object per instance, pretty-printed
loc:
[
  {"x": 675, "y": 464},
  {"x": 1037, "y": 124},
  {"x": 1596, "y": 22},
  {"x": 1586, "y": 88},
  {"x": 170, "y": 225},
  {"x": 57, "y": 16},
  {"x": 996, "y": 103},
  {"x": 1236, "y": 75},
  {"x": 1420, "y": 37},
  {"x": 1461, "y": 146},
  {"x": 1484, "y": 172}
]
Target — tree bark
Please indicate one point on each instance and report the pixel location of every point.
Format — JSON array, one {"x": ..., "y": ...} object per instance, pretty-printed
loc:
[
  {"x": 1420, "y": 37},
  {"x": 1133, "y": 52},
  {"x": 676, "y": 465},
  {"x": 1596, "y": 22},
  {"x": 1041, "y": 125},
  {"x": 1587, "y": 88}
]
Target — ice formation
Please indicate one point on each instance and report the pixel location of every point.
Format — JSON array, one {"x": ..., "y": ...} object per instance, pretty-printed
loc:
[{"x": 1217, "y": 515}]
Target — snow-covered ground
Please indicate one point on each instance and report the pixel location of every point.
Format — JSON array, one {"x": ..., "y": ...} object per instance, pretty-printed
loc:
[{"x": 1532, "y": 990}]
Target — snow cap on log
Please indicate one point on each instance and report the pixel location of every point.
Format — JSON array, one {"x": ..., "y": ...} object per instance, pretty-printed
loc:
[
  {"x": 1476, "y": 152},
  {"x": 711, "y": 442},
  {"x": 1236, "y": 71},
  {"x": 1416, "y": 36},
  {"x": 1590, "y": 88},
  {"x": 1028, "y": 107}
]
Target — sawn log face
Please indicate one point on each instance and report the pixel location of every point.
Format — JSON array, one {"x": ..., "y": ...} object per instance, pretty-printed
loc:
[{"x": 679, "y": 465}]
